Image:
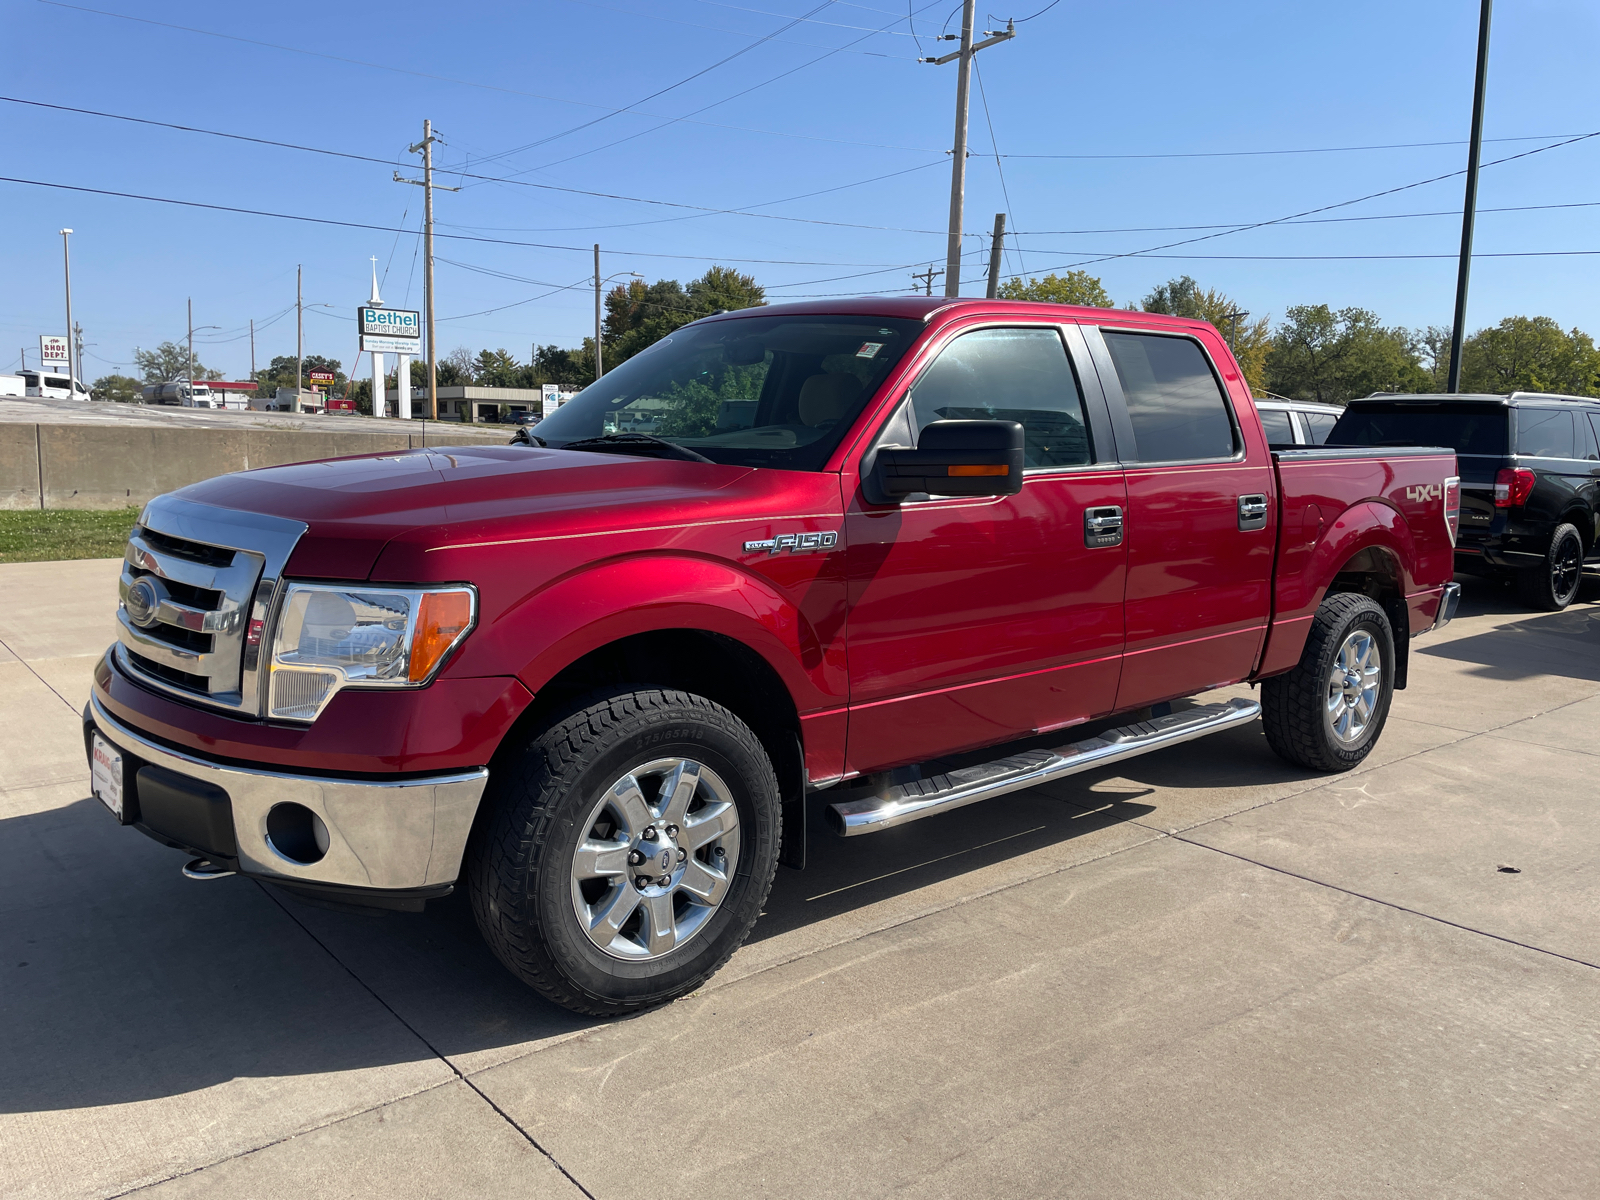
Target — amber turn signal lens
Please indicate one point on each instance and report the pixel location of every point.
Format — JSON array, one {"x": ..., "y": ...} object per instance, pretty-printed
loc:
[
  {"x": 982, "y": 469},
  {"x": 441, "y": 620}
]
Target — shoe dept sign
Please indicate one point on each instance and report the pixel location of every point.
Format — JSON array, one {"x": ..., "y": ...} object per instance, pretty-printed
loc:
[{"x": 389, "y": 330}]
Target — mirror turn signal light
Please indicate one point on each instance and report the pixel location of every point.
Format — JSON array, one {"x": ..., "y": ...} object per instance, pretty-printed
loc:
[
  {"x": 981, "y": 469},
  {"x": 442, "y": 620}
]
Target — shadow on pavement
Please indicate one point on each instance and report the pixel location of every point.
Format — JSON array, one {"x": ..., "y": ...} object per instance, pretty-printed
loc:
[{"x": 1534, "y": 643}]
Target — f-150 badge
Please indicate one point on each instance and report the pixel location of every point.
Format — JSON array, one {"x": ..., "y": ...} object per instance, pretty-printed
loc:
[{"x": 794, "y": 541}]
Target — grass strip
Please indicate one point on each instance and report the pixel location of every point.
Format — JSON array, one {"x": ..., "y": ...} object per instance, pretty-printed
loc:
[{"x": 53, "y": 534}]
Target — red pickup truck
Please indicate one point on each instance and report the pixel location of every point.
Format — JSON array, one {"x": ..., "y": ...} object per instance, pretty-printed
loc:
[{"x": 811, "y": 550}]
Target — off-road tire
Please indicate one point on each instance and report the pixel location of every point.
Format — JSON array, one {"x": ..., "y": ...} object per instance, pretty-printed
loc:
[
  {"x": 1554, "y": 584},
  {"x": 520, "y": 859},
  {"x": 1294, "y": 704}
]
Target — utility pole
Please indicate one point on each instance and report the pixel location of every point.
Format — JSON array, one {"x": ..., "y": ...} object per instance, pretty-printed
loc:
[
  {"x": 426, "y": 183},
  {"x": 77, "y": 333},
  {"x": 66, "y": 263},
  {"x": 927, "y": 277},
  {"x": 189, "y": 374},
  {"x": 1470, "y": 206},
  {"x": 994, "y": 255},
  {"x": 958, "y": 165},
  {"x": 1233, "y": 337},
  {"x": 252, "y": 349},
  {"x": 599, "y": 368},
  {"x": 299, "y": 338}
]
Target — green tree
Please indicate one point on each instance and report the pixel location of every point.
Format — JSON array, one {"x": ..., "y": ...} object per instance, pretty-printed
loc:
[
  {"x": 640, "y": 314},
  {"x": 280, "y": 373},
  {"x": 1331, "y": 357},
  {"x": 168, "y": 361},
  {"x": 569, "y": 368},
  {"x": 1075, "y": 287},
  {"x": 1249, "y": 340},
  {"x": 496, "y": 368},
  {"x": 124, "y": 389},
  {"x": 1530, "y": 354}
]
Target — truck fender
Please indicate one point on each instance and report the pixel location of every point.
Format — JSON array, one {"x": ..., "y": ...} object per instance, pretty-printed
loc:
[
  {"x": 648, "y": 593},
  {"x": 1370, "y": 525}
]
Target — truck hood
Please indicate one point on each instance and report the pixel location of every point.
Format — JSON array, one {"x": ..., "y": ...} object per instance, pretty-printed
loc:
[{"x": 353, "y": 507}]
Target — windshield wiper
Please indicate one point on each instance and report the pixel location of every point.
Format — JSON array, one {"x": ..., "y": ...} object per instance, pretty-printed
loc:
[
  {"x": 636, "y": 443},
  {"x": 523, "y": 438}
]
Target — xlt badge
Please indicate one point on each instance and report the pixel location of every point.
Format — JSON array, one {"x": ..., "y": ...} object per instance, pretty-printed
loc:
[{"x": 794, "y": 541}]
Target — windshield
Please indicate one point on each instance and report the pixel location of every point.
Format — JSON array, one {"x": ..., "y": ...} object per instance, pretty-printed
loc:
[
  {"x": 1466, "y": 428},
  {"x": 754, "y": 392}
]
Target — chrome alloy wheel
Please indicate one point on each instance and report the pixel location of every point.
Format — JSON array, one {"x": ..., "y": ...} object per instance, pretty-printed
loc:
[
  {"x": 658, "y": 854},
  {"x": 1353, "y": 687}
]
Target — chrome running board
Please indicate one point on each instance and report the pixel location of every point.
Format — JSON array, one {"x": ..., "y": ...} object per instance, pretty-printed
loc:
[{"x": 909, "y": 801}]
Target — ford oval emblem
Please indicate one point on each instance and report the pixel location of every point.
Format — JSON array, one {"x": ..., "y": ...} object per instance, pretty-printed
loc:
[{"x": 141, "y": 603}]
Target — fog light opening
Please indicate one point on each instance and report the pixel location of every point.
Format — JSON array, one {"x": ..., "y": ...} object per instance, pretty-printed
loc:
[{"x": 297, "y": 834}]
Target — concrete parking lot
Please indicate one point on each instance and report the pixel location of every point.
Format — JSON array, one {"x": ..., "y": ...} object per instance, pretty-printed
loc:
[{"x": 1201, "y": 973}]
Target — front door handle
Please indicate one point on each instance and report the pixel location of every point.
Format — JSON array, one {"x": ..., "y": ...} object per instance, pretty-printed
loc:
[
  {"x": 1102, "y": 527},
  {"x": 1252, "y": 512}
]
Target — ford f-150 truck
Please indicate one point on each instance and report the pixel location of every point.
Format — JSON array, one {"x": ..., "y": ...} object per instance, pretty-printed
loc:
[{"x": 884, "y": 553}]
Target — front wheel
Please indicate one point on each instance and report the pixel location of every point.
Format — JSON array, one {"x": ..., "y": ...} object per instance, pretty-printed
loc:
[
  {"x": 1327, "y": 713},
  {"x": 627, "y": 850}
]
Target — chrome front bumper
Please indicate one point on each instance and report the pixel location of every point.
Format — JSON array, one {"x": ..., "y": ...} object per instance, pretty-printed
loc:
[{"x": 403, "y": 834}]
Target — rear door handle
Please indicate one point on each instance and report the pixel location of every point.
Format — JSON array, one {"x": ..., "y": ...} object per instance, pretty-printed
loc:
[
  {"x": 1252, "y": 512},
  {"x": 1102, "y": 527}
]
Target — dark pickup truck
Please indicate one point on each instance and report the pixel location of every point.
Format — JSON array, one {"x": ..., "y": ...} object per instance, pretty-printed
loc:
[{"x": 807, "y": 551}]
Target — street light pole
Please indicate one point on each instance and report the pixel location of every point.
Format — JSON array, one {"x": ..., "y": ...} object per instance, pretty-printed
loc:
[
  {"x": 189, "y": 374},
  {"x": 599, "y": 367},
  {"x": 299, "y": 338},
  {"x": 66, "y": 262},
  {"x": 1470, "y": 205}
]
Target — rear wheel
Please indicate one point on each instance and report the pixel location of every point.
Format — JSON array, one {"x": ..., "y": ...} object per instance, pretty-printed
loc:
[
  {"x": 1554, "y": 583},
  {"x": 1328, "y": 711},
  {"x": 628, "y": 850}
]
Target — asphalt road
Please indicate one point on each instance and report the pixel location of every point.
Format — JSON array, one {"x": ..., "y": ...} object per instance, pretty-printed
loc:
[{"x": 1201, "y": 973}]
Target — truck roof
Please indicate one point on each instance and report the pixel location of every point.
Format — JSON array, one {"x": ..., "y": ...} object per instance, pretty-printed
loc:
[
  {"x": 925, "y": 308},
  {"x": 1514, "y": 398}
]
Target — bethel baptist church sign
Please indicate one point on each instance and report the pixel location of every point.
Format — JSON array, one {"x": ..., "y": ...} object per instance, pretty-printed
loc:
[{"x": 389, "y": 330}]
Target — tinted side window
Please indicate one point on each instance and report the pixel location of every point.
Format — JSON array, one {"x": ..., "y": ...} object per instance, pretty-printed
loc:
[
  {"x": 1175, "y": 403},
  {"x": 1594, "y": 428},
  {"x": 1318, "y": 426},
  {"x": 1545, "y": 433},
  {"x": 1017, "y": 375},
  {"x": 1280, "y": 430}
]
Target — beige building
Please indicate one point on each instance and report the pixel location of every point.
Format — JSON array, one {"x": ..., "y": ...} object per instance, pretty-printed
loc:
[{"x": 470, "y": 403}]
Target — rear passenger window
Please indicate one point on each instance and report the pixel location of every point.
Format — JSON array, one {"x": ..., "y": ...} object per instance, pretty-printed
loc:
[
  {"x": 1175, "y": 403},
  {"x": 1017, "y": 375},
  {"x": 1318, "y": 426},
  {"x": 1545, "y": 433},
  {"x": 1594, "y": 428},
  {"x": 1280, "y": 430}
]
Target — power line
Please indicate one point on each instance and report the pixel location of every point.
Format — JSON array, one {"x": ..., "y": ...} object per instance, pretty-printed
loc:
[
  {"x": 704, "y": 108},
  {"x": 256, "y": 212},
  {"x": 473, "y": 83},
  {"x": 527, "y": 183},
  {"x": 1040, "y": 13},
  {"x": 1266, "y": 153},
  {"x": 1309, "y": 221},
  {"x": 999, "y": 170},
  {"x": 628, "y": 12},
  {"x": 1151, "y": 250}
]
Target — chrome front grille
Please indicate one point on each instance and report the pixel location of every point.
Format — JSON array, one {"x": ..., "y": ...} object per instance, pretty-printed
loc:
[{"x": 197, "y": 589}]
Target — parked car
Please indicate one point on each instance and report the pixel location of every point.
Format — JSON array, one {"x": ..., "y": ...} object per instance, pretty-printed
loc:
[
  {"x": 522, "y": 417},
  {"x": 1297, "y": 422},
  {"x": 593, "y": 678},
  {"x": 1530, "y": 479}
]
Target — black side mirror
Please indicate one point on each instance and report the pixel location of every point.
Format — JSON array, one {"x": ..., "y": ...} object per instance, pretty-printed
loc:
[{"x": 954, "y": 458}]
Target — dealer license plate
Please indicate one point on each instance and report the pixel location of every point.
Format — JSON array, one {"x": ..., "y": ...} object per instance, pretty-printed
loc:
[{"x": 105, "y": 775}]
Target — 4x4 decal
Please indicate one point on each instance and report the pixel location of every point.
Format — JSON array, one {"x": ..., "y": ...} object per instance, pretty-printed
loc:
[{"x": 1429, "y": 491}]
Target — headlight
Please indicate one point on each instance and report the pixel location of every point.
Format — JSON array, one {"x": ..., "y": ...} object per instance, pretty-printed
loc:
[{"x": 331, "y": 637}]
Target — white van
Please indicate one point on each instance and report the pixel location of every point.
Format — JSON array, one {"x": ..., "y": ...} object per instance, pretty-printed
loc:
[{"x": 54, "y": 387}]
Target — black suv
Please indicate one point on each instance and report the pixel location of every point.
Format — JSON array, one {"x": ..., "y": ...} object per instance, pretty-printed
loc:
[{"x": 1530, "y": 478}]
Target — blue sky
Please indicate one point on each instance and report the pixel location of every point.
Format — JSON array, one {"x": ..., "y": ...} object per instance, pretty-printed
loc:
[{"x": 508, "y": 85}]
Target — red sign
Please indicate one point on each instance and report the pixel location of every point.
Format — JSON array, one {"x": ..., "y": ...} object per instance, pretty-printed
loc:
[
  {"x": 341, "y": 406},
  {"x": 319, "y": 376}
]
